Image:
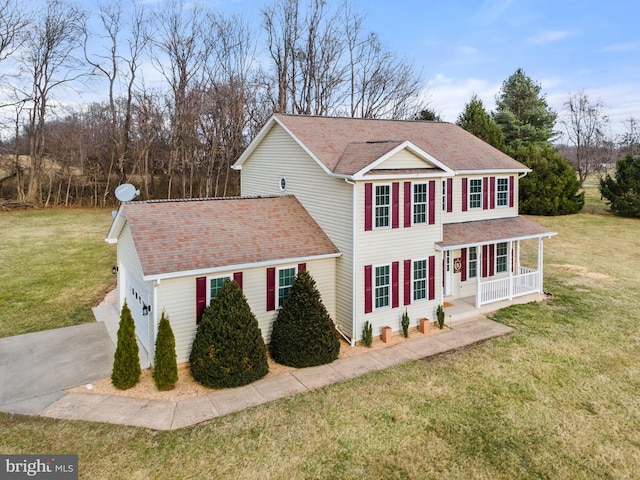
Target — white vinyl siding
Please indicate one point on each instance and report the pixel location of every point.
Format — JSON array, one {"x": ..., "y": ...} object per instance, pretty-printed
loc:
[
  {"x": 402, "y": 160},
  {"x": 279, "y": 156},
  {"x": 457, "y": 215}
]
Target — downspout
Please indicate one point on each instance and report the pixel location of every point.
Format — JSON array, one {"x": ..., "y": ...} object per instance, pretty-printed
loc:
[
  {"x": 155, "y": 317},
  {"x": 353, "y": 265}
]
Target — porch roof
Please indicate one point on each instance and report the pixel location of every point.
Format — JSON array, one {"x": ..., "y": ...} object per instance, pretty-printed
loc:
[{"x": 482, "y": 232}]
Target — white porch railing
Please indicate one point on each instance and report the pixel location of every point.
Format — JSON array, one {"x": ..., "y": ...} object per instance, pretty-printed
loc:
[{"x": 528, "y": 281}]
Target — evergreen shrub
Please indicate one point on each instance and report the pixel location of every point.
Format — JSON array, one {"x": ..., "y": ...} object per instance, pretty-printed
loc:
[
  {"x": 303, "y": 333},
  {"x": 367, "y": 334},
  {"x": 165, "y": 368},
  {"x": 126, "y": 364},
  {"x": 228, "y": 349}
]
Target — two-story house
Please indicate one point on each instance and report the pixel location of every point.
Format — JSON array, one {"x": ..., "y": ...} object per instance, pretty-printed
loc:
[{"x": 405, "y": 214}]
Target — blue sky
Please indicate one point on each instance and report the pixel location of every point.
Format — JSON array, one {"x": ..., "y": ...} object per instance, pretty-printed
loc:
[{"x": 463, "y": 47}]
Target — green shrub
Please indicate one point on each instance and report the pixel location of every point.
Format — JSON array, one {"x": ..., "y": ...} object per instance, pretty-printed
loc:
[
  {"x": 228, "y": 350},
  {"x": 367, "y": 334},
  {"x": 165, "y": 368},
  {"x": 440, "y": 316},
  {"x": 126, "y": 364},
  {"x": 405, "y": 324},
  {"x": 303, "y": 333}
]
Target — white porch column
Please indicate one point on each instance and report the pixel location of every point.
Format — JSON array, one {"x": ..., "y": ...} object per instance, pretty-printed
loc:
[
  {"x": 478, "y": 275},
  {"x": 540, "y": 263},
  {"x": 510, "y": 268},
  {"x": 518, "y": 257}
]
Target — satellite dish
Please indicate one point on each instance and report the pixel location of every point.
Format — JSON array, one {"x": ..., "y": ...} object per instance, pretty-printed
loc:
[{"x": 126, "y": 192}]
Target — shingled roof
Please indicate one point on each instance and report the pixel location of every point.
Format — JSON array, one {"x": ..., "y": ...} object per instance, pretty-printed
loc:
[
  {"x": 335, "y": 142},
  {"x": 204, "y": 234}
]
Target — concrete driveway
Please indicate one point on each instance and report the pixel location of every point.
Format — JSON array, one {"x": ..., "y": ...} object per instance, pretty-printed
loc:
[{"x": 36, "y": 368}]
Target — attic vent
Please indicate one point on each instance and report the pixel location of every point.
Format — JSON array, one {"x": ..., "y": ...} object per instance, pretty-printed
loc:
[{"x": 377, "y": 141}]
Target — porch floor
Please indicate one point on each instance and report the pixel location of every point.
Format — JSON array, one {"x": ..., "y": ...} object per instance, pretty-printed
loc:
[{"x": 461, "y": 310}]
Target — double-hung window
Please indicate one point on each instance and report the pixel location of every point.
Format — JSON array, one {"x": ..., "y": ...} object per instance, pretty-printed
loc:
[
  {"x": 383, "y": 206},
  {"x": 286, "y": 276},
  {"x": 501, "y": 257},
  {"x": 502, "y": 192},
  {"x": 383, "y": 286},
  {"x": 475, "y": 193},
  {"x": 420, "y": 203},
  {"x": 215, "y": 284},
  {"x": 419, "y": 280},
  {"x": 473, "y": 262}
]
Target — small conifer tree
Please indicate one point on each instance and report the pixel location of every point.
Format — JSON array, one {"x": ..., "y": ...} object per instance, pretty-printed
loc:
[
  {"x": 126, "y": 364},
  {"x": 228, "y": 350},
  {"x": 165, "y": 368},
  {"x": 303, "y": 333}
]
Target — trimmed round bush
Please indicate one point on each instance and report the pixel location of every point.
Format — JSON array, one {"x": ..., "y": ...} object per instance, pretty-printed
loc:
[
  {"x": 165, "y": 368},
  {"x": 126, "y": 364},
  {"x": 228, "y": 350},
  {"x": 303, "y": 334}
]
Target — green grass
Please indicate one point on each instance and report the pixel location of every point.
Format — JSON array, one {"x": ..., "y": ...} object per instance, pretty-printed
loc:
[
  {"x": 558, "y": 399},
  {"x": 54, "y": 266}
]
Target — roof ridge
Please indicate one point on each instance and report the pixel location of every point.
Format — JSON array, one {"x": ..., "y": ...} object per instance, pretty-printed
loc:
[
  {"x": 410, "y": 120},
  {"x": 207, "y": 199}
]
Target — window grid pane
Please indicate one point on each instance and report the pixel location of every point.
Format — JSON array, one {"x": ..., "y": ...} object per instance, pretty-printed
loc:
[
  {"x": 420, "y": 203},
  {"x": 473, "y": 262},
  {"x": 419, "y": 279},
  {"x": 383, "y": 204},
  {"x": 475, "y": 193},
  {"x": 216, "y": 285},
  {"x": 501, "y": 257},
  {"x": 383, "y": 285},
  {"x": 285, "y": 280},
  {"x": 503, "y": 192}
]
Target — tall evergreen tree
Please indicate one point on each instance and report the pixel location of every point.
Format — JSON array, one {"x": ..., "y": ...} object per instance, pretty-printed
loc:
[
  {"x": 552, "y": 187},
  {"x": 165, "y": 369},
  {"x": 228, "y": 350},
  {"x": 523, "y": 113},
  {"x": 126, "y": 364},
  {"x": 303, "y": 334},
  {"x": 475, "y": 119},
  {"x": 623, "y": 192}
]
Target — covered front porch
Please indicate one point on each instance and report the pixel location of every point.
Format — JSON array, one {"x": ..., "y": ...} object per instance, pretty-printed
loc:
[
  {"x": 483, "y": 262},
  {"x": 464, "y": 309}
]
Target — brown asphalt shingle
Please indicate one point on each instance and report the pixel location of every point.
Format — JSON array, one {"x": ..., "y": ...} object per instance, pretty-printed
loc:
[
  {"x": 484, "y": 231},
  {"x": 332, "y": 140},
  {"x": 179, "y": 236}
]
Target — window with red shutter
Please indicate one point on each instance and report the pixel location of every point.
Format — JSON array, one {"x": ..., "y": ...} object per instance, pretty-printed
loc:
[
  {"x": 368, "y": 296},
  {"x": 485, "y": 193},
  {"x": 492, "y": 192},
  {"x": 271, "y": 289},
  {"x": 395, "y": 290},
  {"x": 201, "y": 297},
  {"x": 464, "y": 195},
  {"x": 449, "y": 195},
  {"x": 432, "y": 202},
  {"x": 463, "y": 266},
  {"x": 407, "y": 204},
  {"x": 237, "y": 277},
  {"x": 368, "y": 209},
  {"x": 407, "y": 282},
  {"x": 432, "y": 277}
]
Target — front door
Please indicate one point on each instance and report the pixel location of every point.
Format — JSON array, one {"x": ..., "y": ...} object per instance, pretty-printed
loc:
[{"x": 447, "y": 277}]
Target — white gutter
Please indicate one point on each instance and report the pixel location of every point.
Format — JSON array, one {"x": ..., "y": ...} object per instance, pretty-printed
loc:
[
  {"x": 492, "y": 241},
  {"x": 353, "y": 263}
]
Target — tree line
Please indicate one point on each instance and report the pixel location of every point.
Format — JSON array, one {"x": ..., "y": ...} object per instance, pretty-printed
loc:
[{"x": 186, "y": 88}]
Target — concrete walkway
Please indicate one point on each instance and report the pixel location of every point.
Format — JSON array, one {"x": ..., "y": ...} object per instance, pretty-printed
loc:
[{"x": 165, "y": 415}]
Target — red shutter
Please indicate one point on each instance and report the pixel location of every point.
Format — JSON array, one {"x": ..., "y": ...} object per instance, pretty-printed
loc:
[
  {"x": 432, "y": 277},
  {"x": 407, "y": 282},
  {"x": 395, "y": 292},
  {"x": 511, "y": 187},
  {"x": 485, "y": 254},
  {"x": 485, "y": 193},
  {"x": 201, "y": 297},
  {"x": 271, "y": 289},
  {"x": 395, "y": 205},
  {"x": 492, "y": 192},
  {"x": 368, "y": 210},
  {"x": 449, "y": 195},
  {"x": 463, "y": 262},
  {"x": 492, "y": 255},
  {"x": 237, "y": 277},
  {"x": 407, "y": 204},
  {"x": 432, "y": 202},
  {"x": 302, "y": 267},
  {"x": 465, "y": 203},
  {"x": 368, "y": 296}
]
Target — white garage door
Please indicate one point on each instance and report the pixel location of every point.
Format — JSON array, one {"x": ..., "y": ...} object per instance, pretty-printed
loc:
[{"x": 137, "y": 297}]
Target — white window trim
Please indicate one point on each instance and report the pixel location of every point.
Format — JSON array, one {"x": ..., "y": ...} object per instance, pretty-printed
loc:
[
  {"x": 426, "y": 279},
  {"x": 209, "y": 285},
  {"x": 506, "y": 257},
  {"x": 374, "y": 285},
  {"x": 375, "y": 205},
  {"x": 474, "y": 193},
  {"x": 468, "y": 266},
  {"x": 426, "y": 204},
  {"x": 506, "y": 205},
  {"x": 277, "y": 289}
]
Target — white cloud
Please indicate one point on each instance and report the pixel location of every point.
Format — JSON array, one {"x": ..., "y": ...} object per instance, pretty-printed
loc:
[{"x": 545, "y": 37}]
